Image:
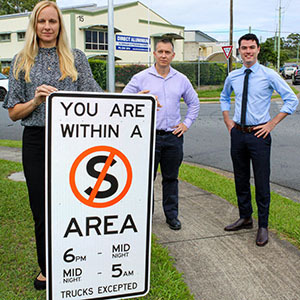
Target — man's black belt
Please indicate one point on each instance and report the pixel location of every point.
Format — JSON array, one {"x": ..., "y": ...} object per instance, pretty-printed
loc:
[{"x": 163, "y": 132}]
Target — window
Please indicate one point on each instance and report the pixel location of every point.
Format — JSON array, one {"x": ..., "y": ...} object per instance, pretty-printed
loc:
[
  {"x": 4, "y": 37},
  {"x": 96, "y": 40},
  {"x": 21, "y": 36},
  {"x": 5, "y": 63}
]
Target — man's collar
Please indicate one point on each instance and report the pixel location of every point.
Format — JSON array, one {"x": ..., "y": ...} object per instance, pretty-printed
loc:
[
  {"x": 253, "y": 68},
  {"x": 171, "y": 73}
]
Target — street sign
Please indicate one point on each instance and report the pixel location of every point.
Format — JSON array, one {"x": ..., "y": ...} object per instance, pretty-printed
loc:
[
  {"x": 132, "y": 43},
  {"x": 99, "y": 184},
  {"x": 227, "y": 51}
]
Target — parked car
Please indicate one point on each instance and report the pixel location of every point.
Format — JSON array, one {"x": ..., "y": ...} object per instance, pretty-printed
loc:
[
  {"x": 3, "y": 86},
  {"x": 296, "y": 77},
  {"x": 288, "y": 72}
]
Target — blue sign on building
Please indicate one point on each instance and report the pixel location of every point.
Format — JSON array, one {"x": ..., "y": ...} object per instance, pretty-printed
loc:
[{"x": 132, "y": 43}]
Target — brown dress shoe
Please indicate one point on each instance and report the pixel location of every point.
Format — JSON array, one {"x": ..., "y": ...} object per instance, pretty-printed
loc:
[
  {"x": 262, "y": 236},
  {"x": 241, "y": 223}
]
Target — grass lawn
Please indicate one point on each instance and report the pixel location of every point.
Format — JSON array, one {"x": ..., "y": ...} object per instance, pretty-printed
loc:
[
  {"x": 17, "y": 248},
  {"x": 210, "y": 93},
  {"x": 284, "y": 213},
  {"x": 11, "y": 143},
  {"x": 213, "y": 94},
  {"x": 18, "y": 256}
]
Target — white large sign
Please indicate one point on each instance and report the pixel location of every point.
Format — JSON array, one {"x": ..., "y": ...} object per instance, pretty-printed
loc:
[{"x": 100, "y": 151}]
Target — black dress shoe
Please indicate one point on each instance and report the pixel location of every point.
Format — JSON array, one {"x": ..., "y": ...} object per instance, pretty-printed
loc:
[
  {"x": 39, "y": 284},
  {"x": 241, "y": 223},
  {"x": 174, "y": 224},
  {"x": 262, "y": 236}
]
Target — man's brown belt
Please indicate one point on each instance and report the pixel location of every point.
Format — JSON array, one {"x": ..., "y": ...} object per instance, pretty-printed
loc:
[{"x": 246, "y": 129}]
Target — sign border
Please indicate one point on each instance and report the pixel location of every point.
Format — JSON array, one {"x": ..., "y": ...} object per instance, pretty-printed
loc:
[
  {"x": 229, "y": 53},
  {"x": 49, "y": 113}
]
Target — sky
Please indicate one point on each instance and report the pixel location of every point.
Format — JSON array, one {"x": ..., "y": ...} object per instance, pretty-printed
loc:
[{"x": 213, "y": 16}]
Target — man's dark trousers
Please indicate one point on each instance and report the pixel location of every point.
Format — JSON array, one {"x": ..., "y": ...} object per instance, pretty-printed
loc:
[
  {"x": 169, "y": 154},
  {"x": 246, "y": 147}
]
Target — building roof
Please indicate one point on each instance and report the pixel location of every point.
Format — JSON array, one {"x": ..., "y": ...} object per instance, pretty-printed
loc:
[
  {"x": 89, "y": 8},
  {"x": 168, "y": 35},
  {"x": 98, "y": 27},
  {"x": 92, "y": 7},
  {"x": 202, "y": 35}
]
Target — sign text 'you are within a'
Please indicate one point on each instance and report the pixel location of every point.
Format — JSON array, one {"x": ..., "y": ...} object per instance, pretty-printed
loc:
[{"x": 99, "y": 130}]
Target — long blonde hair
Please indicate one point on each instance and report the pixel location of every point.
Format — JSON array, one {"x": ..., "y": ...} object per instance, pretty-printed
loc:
[{"x": 25, "y": 58}]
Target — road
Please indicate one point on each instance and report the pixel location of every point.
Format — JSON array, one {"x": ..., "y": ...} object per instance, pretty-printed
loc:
[
  {"x": 9, "y": 130},
  {"x": 207, "y": 142}
]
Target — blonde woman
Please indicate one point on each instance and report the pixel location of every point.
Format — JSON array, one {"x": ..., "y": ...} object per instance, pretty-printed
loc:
[{"x": 45, "y": 65}]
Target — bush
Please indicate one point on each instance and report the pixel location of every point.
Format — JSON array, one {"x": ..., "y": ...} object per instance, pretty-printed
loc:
[
  {"x": 211, "y": 73},
  {"x": 124, "y": 73},
  {"x": 188, "y": 70},
  {"x": 99, "y": 71}
]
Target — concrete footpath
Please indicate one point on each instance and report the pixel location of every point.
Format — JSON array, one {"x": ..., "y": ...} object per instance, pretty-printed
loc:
[{"x": 218, "y": 265}]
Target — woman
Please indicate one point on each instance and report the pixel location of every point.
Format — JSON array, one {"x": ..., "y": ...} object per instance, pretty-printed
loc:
[{"x": 45, "y": 65}]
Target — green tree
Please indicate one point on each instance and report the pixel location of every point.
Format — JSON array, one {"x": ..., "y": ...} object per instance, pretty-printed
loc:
[
  {"x": 16, "y": 6},
  {"x": 268, "y": 53},
  {"x": 292, "y": 40},
  {"x": 291, "y": 44}
]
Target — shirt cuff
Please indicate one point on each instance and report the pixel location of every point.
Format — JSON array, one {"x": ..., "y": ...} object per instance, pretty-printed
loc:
[
  {"x": 225, "y": 106},
  {"x": 187, "y": 123}
]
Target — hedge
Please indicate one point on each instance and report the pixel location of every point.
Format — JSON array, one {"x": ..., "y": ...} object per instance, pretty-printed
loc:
[
  {"x": 210, "y": 73},
  {"x": 99, "y": 71},
  {"x": 124, "y": 73},
  {"x": 187, "y": 69}
]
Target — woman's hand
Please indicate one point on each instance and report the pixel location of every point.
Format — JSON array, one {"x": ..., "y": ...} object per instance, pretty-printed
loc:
[
  {"x": 156, "y": 98},
  {"x": 41, "y": 93},
  {"x": 22, "y": 110}
]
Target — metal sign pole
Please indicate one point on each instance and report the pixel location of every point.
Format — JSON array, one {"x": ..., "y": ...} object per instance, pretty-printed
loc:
[{"x": 111, "y": 47}]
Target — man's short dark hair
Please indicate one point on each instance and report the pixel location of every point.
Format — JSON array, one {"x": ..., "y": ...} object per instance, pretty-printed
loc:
[
  {"x": 165, "y": 41},
  {"x": 249, "y": 37}
]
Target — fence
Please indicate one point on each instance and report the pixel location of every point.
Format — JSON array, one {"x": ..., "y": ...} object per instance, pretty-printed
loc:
[{"x": 199, "y": 73}]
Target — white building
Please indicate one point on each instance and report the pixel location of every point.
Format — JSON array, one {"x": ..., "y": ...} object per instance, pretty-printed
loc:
[
  {"x": 200, "y": 46},
  {"x": 135, "y": 26}
]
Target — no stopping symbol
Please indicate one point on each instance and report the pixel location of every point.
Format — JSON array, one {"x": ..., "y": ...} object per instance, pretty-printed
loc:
[{"x": 93, "y": 194}]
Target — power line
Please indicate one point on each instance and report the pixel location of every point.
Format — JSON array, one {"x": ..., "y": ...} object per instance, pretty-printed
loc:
[
  {"x": 288, "y": 4},
  {"x": 246, "y": 29}
]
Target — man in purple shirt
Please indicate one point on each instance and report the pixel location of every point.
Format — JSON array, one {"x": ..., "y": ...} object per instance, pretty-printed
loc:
[{"x": 169, "y": 86}]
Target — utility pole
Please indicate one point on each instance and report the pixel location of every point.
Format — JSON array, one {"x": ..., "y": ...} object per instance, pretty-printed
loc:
[
  {"x": 149, "y": 39},
  {"x": 275, "y": 40},
  {"x": 278, "y": 43},
  {"x": 297, "y": 52},
  {"x": 230, "y": 35},
  {"x": 111, "y": 47}
]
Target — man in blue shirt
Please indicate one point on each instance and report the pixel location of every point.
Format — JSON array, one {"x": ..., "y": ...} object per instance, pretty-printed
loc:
[
  {"x": 169, "y": 86},
  {"x": 250, "y": 129}
]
